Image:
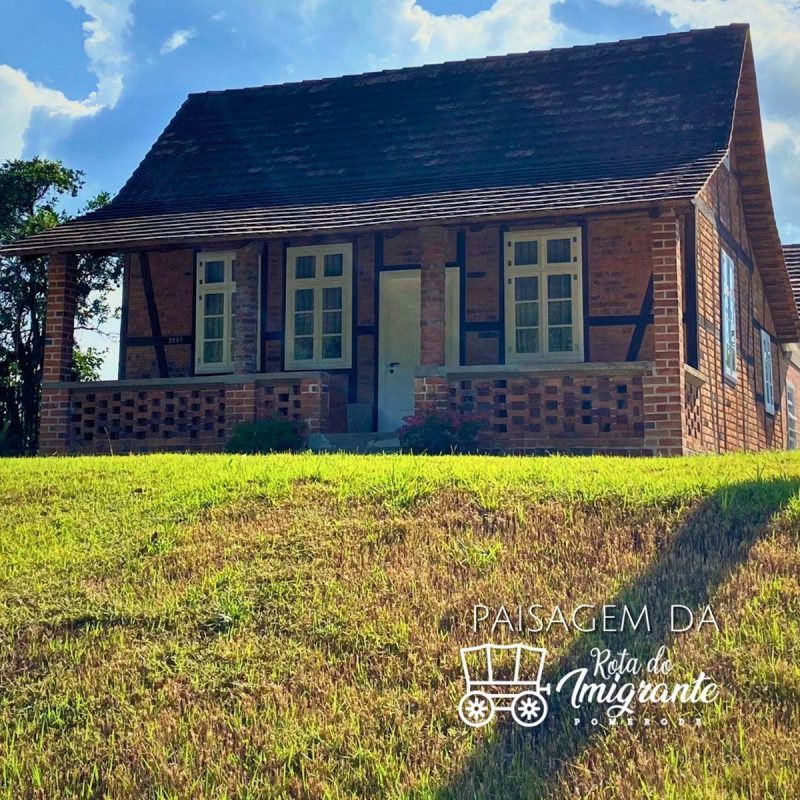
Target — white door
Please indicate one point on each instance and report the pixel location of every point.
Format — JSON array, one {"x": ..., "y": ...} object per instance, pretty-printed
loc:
[{"x": 398, "y": 346}]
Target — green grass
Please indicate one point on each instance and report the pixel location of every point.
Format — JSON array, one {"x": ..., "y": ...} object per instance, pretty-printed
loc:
[{"x": 289, "y": 626}]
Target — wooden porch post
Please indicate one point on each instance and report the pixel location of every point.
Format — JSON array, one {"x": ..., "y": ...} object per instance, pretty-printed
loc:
[
  {"x": 59, "y": 342},
  {"x": 665, "y": 388}
]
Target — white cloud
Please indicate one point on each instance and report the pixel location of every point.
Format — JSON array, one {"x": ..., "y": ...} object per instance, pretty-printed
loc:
[
  {"x": 107, "y": 30},
  {"x": 394, "y": 33},
  {"x": 20, "y": 98},
  {"x": 507, "y": 26},
  {"x": 105, "y": 46},
  {"x": 178, "y": 39}
]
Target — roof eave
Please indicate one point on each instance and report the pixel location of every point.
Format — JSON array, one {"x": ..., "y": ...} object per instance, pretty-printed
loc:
[
  {"x": 680, "y": 204},
  {"x": 750, "y": 167}
]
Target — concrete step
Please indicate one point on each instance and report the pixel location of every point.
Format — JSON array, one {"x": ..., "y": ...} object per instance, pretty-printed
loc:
[{"x": 381, "y": 442}]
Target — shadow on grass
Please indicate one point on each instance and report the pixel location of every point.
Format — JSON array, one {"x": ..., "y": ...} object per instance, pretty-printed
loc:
[{"x": 715, "y": 538}]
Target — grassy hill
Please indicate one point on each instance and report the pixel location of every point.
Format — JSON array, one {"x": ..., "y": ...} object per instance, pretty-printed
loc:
[{"x": 289, "y": 626}]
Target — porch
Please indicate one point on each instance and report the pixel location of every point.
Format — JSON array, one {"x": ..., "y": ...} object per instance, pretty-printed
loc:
[{"x": 349, "y": 336}]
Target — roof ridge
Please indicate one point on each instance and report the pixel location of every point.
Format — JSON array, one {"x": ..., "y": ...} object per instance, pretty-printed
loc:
[{"x": 473, "y": 61}]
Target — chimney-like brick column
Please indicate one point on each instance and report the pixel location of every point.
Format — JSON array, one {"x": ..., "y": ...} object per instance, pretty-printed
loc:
[
  {"x": 59, "y": 341},
  {"x": 664, "y": 389},
  {"x": 245, "y": 302},
  {"x": 432, "y": 323}
]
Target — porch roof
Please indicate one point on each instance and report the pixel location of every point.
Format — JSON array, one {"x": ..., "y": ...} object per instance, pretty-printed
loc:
[{"x": 644, "y": 120}]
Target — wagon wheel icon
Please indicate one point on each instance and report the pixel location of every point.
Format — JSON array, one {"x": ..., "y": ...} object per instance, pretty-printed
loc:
[
  {"x": 529, "y": 709},
  {"x": 476, "y": 709}
]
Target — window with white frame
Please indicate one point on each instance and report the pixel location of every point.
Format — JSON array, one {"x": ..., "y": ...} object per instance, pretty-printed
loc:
[
  {"x": 766, "y": 369},
  {"x": 791, "y": 414},
  {"x": 543, "y": 295},
  {"x": 215, "y": 316},
  {"x": 728, "y": 284},
  {"x": 318, "y": 306}
]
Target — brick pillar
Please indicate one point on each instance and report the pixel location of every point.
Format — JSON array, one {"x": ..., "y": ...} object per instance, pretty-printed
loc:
[
  {"x": 240, "y": 404},
  {"x": 664, "y": 389},
  {"x": 432, "y": 323},
  {"x": 246, "y": 303},
  {"x": 315, "y": 403},
  {"x": 58, "y": 344},
  {"x": 431, "y": 393}
]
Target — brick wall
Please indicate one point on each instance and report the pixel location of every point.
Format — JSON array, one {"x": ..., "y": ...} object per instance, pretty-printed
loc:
[
  {"x": 172, "y": 274},
  {"x": 792, "y": 377},
  {"x": 732, "y": 416},
  {"x": 579, "y": 411},
  {"x": 192, "y": 417},
  {"x": 701, "y": 414}
]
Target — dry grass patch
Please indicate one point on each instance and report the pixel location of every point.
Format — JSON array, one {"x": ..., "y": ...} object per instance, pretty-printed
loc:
[{"x": 290, "y": 627}]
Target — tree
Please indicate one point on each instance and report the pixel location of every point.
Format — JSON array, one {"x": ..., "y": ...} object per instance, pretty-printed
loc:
[{"x": 30, "y": 192}]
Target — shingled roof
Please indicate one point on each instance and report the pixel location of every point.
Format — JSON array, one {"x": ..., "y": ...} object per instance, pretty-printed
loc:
[
  {"x": 791, "y": 254},
  {"x": 646, "y": 120}
]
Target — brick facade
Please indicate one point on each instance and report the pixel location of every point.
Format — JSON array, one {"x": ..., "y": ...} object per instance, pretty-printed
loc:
[
  {"x": 732, "y": 416},
  {"x": 640, "y": 399}
]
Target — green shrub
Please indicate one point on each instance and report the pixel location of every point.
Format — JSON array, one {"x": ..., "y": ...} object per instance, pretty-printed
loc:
[
  {"x": 440, "y": 433},
  {"x": 265, "y": 436}
]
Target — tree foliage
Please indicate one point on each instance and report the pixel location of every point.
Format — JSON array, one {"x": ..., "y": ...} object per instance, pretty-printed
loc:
[{"x": 30, "y": 196}]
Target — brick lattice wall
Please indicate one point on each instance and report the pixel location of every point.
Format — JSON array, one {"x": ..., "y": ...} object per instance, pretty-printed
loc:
[
  {"x": 583, "y": 412},
  {"x": 192, "y": 417}
]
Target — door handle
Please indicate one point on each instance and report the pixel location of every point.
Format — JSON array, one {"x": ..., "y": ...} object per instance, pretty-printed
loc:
[{"x": 392, "y": 365}]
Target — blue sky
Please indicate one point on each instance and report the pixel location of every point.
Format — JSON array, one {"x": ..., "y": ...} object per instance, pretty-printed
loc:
[{"x": 93, "y": 82}]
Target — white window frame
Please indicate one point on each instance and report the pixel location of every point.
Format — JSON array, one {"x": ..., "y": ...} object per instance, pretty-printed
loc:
[
  {"x": 318, "y": 283},
  {"x": 791, "y": 417},
  {"x": 730, "y": 344},
  {"x": 543, "y": 270},
  {"x": 767, "y": 372},
  {"x": 228, "y": 289}
]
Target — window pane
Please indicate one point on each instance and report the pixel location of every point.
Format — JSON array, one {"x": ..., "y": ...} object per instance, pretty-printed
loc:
[
  {"x": 528, "y": 340},
  {"x": 559, "y": 286},
  {"x": 305, "y": 267},
  {"x": 214, "y": 304},
  {"x": 304, "y": 324},
  {"x": 334, "y": 265},
  {"x": 213, "y": 328},
  {"x": 215, "y": 272},
  {"x": 559, "y": 340},
  {"x": 527, "y": 315},
  {"x": 332, "y": 322},
  {"x": 559, "y": 251},
  {"x": 331, "y": 346},
  {"x": 728, "y": 316},
  {"x": 303, "y": 348},
  {"x": 332, "y": 299},
  {"x": 526, "y": 253},
  {"x": 526, "y": 289},
  {"x": 559, "y": 312},
  {"x": 212, "y": 352},
  {"x": 304, "y": 300}
]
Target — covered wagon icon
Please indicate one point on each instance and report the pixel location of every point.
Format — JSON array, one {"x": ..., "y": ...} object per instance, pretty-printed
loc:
[{"x": 503, "y": 677}]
